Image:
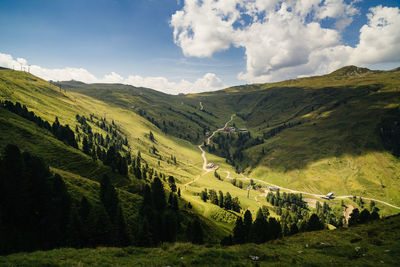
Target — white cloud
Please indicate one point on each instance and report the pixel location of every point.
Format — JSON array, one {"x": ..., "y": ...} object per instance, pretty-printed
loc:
[
  {"x": 209, "y": 82},
  {"x": 286, "y": 39},
  {"x": 380, "y": 38}
]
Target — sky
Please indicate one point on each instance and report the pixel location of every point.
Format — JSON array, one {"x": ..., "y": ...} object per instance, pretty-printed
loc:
[{"x": 190, "y": 46}]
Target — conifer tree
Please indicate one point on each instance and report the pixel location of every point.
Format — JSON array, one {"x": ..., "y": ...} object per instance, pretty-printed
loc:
[
  {"x": 354, "y": 217},
  {"x": 228, "y": 201},
  {"x": 239, "y": 232},
  {"x": 247, "y": 223},
  {"x": 158, "y": 194},
  {"x": 314, "y": 223},
  {"x": 172, "y": 184},
  {"x": 259, "y": 228}
]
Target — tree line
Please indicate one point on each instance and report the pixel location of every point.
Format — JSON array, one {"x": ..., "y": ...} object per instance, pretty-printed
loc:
[
  {"x": 61, "y": 132},
  {"x": 38, "y": 213},
  {"x": 113, "y": 150},
  {"x": 231, "y": 147},
  {"x": 223, "y": 201}
]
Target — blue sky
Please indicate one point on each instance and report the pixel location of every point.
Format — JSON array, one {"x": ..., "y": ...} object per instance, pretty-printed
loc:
[{"x": 135, "y": 38}]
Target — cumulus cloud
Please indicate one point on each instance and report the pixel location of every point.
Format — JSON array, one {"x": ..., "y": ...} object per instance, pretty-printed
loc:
[
  {"x": 380, "y": 38},
  {"x": 286, "y": 39},
  {"x": 209, "y": 82}
]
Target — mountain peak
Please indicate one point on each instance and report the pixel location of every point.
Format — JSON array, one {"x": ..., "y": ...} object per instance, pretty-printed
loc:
[{"x": 350, "y": 71}]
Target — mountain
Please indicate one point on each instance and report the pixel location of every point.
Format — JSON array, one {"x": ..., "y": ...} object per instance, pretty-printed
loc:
[
  {"x": 320, "y": 134},
  {"x": 304, "y": 137}
]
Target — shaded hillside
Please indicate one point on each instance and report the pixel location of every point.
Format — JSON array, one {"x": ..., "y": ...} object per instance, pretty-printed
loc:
[
  {"x": 174, "y": 115},
  {"x": 326, "y": 133}
]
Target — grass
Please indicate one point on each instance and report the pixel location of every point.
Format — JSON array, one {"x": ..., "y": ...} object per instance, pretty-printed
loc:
[
  {"x": 336, "y": 148},
  {"x": 371, "y": 244}
]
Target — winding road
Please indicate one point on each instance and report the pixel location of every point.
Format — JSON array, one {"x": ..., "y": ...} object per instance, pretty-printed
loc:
[
  {"x": 201, "y": 106},
  {"x": 203, "y": 155}
]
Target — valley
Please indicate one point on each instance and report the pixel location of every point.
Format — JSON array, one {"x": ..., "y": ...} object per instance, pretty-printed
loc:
[{"x": 310, "y": 140}]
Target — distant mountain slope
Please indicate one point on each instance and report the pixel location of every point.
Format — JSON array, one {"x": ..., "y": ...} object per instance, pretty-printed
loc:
[
  {"x": 174, "y": 115},
  {"x": 323, "y": 133},
  {"x": 335, "y": 132}
]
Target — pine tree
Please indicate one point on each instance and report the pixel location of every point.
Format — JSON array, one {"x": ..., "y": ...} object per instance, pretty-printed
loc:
[
  {"x": 85, "y": 146},
  {"x": 247, "y": 223},
  {"x": 195, "y": 232},
  {"x": 354, "y": 217},
  {"x": 364, "y": 216},
  {"x": 158, "y": 194},
  {"x": 172, "y": 184},
  {"x": 221, "y": 199},
  {"x": 275, "y": 229},
  {"x": 314, "y": 223},
  {"x": 151, "y": 136},
  {"x": 259, "y": 228},
  {"x": 239, "y": 232},
  {"x": 228, "y": 201}
]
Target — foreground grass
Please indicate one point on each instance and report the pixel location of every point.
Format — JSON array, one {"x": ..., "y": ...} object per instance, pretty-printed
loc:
[{"x": 376, "y": 243}]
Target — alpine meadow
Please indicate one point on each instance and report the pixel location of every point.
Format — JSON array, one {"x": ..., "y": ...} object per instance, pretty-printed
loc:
[{"x": 172, "y": 163}]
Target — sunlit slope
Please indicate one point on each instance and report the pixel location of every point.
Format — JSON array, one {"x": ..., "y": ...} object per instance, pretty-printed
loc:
[
  {"x": 329, "y": 138},
  {"x": 77, "y": 168},
  {"x": 175, "y": 115},
  {"x": 49, "y": 101}
]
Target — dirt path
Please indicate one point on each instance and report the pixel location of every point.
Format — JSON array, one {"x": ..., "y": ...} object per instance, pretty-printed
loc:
[
  {"x": 373, "y": 199},
  {"x": 201, "y": 106},
  {"x": 203, "y": 155},
  {"x": 315, "y": 195},
  {"x": 208, "y": 140}
]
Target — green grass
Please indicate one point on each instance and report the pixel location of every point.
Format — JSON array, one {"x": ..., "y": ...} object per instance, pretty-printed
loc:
[
  {"x": 48, "y": 102},
  {"x": 337, "y": 148},
  {"x": 371, "y": 244}
]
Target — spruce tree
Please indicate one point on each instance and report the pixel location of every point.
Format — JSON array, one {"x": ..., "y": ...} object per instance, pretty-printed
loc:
[
  {"x": 172, "y": 184},
  {"x": 239, "y": 232},
  {"x": 314, "y": 223},
  {"x": 158, "y": 194},
  {"x": 354, "y": 217},
  {"x": 228, "y": 201},
  {"x": 259, "y": 228},
  {"x": 247, "y": 223}
]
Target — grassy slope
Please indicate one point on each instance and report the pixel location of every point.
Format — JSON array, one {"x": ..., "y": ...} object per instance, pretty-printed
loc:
[
  {"x": 337, "y": 148},
  {"x": 371, "y": 244},
  {"x": 48, "y": 102},
  {"x": 324, "y": 157}
]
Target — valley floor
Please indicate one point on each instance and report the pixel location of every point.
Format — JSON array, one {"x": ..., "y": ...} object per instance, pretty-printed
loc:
[{"x": 373, "y": 244}]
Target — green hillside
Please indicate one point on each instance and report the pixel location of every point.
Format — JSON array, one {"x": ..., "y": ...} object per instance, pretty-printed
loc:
[
  {"x": 79, "y": 169},
  {"x": 334, "y": 133},
  {"x": 320, "y": 133},
  {"x": 366, "y": 245}
]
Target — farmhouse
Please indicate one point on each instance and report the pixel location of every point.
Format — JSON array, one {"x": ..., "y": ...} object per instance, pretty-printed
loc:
[
  {"x": 229, "y": 129},
  {"x": 210, "y": 165},
  {"x": 273, "y": 188},
  {"x": 328, "y": 196}
]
